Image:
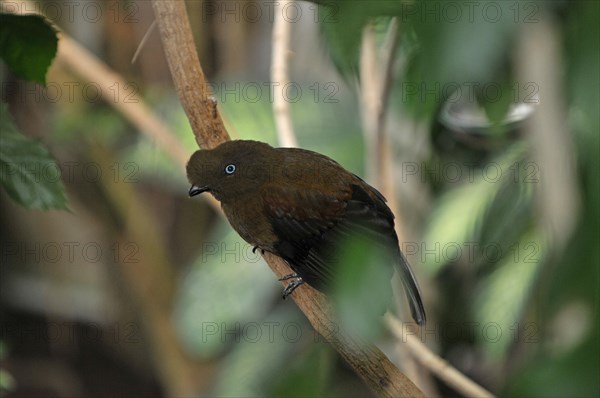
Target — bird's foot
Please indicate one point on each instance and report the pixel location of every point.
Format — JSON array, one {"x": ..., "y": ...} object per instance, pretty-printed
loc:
[
  {"x": 292, "y": 286},
  {"x": 262, "y": 251},
  {"x": 288, "y": 276}
]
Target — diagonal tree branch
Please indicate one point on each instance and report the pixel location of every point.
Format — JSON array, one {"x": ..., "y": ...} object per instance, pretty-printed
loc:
[
  {"x": 367, "y": 360},
  {"x": 190, "y": 83}
]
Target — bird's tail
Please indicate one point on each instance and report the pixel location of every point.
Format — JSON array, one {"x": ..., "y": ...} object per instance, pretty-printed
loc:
[{"x": 411, "y": 288}]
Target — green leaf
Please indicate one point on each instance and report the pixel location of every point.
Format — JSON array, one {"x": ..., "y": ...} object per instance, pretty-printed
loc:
[
  {"x": 228, "y": 288},
  {"x": 342, "y": 23},
  {"x": 258, "y": 362},
  {"x": 343, "y": 39},
  {"x": 457, "y": 43},
  {"x": 456, "y": 220},
  {"x": 27, "y": 171},
  {"x": 502, "y": 296},
  {"x": 362, "y": 288},
  {"x": 549, "y": 374},
  {"x": 7, "y": 382},
  {"x": 28, "y": 44},
  {"x": 490, "y": 210},
  {"x": 309, "y": 373}
]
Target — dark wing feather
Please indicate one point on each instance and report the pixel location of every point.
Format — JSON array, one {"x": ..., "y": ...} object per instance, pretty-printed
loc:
[
  {"x": 310, "y": 225},
  {"x": 303, "y": 220}
]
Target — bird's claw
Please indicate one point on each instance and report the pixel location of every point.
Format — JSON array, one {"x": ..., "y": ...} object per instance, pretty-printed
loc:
[
  {"x": 288, "y": 276},
  {"x": 292, "y": 286},
  {"x": 262, "y": 251}
]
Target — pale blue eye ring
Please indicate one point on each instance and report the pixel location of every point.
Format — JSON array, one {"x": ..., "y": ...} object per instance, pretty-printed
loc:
[{"x": 230, "y": 169}]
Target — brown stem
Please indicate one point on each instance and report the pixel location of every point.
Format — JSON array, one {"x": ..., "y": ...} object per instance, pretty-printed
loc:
[
  {"x": 367, "y": 360},
  {"x": 191, "y": 85}
]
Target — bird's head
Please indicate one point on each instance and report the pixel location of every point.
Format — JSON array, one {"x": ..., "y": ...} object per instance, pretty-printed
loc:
[{"x": 230, "y": 170}]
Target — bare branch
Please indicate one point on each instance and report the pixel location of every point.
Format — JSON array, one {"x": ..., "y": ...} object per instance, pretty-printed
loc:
[
  {"x": 282, "y": 30},
  {"x": 434, "y": 363},
  {"x": 191, "y": 85}
]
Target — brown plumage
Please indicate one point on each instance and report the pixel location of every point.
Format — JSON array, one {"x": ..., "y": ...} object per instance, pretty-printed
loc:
[{"x": 299, "y": 205}]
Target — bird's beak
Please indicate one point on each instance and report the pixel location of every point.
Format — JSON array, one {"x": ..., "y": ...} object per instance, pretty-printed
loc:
[{"x": 194, "y": 190}]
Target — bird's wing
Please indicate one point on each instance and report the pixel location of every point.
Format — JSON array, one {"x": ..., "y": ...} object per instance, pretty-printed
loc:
[
  {"x": 311, "y": 223},
  {"x": 302, "y": 219}
]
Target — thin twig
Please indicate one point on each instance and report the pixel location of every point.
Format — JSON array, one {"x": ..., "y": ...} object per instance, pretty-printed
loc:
[
  {"x": 434, "y": 363},
  {"x": 367, "y": 360},
  {"x": 279, "y": 75},
  {"x": 191, "y": 85},
  {"x": 143, "y": 41}
]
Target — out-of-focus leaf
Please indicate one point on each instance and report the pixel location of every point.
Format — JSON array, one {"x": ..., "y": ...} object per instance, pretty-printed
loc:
[
  {"x": 227, "y": 287},
  {"x": 342, "y": 24},
  {"x": 509, "y": 213},
  {"x": 307, "y": 375},
  {"x": 459, "y": 42},
  {"x": 455, "y": 221},
  {"x": 252, "y": 367},
  {"x": 573, "y": 374},
  {"x": 28, "y": 44},
  {"x": 7, "y": 382},
  {"x": 583, "y": 62},
  {"x": 362, "y": 289},
  {"x": 460, "y": 219},
  {"x": 27, "y": 171},
  {"x": 504, "y": 294}
]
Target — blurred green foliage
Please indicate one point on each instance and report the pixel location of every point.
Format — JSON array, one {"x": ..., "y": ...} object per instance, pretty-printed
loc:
[
  {"x": 228, "y": 285},
  {"x": 28, "y": 45},
  {"x": 362, "y": 292},
  {"x": 29, "y": 174}
]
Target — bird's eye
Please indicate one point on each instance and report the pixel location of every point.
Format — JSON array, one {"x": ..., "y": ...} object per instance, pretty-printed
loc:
[{"x": 230, "y": 169}]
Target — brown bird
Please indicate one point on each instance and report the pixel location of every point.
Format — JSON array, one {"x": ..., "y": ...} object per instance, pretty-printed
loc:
[{"x": 299, "y": 205}]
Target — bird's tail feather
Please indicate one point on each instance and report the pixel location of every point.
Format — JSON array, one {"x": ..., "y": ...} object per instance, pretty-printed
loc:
[{"x": 412, "y": 290}]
